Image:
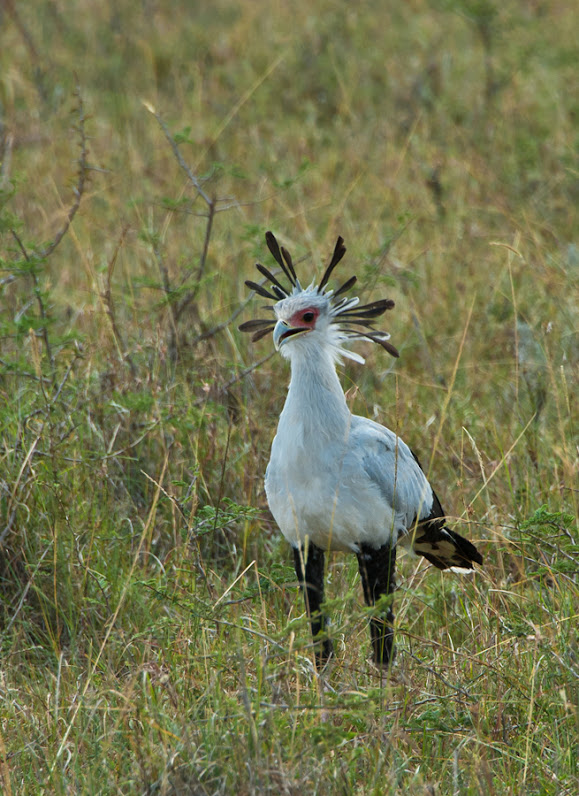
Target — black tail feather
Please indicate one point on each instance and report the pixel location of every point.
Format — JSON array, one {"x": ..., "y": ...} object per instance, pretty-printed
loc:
[{"x": 445, "y": 548}]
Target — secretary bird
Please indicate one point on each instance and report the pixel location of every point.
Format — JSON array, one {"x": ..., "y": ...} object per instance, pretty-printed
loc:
[{"x": 337, "y": 481}]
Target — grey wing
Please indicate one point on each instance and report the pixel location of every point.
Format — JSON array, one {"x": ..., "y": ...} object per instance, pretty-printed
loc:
[{"x": 391, "y": 465}]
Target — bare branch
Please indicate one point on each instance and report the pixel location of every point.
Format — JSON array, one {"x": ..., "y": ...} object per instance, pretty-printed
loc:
[
  {"x": 107, "y": 297},
  {"x": 201, "y": 270},
  {"x": 6, "y": 160},
  {"x": 224, "y": 324},
  {"x": 180, "y": 160},
  {"x": 83, "y": 169},
  {"x": 39, "y": 301},
  {"x": 242, "y": 374},
  {"x": 164, "y": 271}
]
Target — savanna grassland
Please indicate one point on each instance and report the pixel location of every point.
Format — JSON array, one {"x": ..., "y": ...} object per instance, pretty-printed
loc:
[{"x": 153, "y": 636}]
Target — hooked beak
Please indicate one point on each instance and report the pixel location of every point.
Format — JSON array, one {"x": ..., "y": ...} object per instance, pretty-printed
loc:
[{"x": 283, "y": 332}]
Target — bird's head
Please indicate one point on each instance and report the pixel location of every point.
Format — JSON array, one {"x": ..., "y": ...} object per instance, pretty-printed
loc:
[
  {"x": 303, "y": 314},
  {"x": 315, "y": 315}
]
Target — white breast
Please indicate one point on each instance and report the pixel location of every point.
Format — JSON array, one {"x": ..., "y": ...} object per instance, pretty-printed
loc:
[{"x": 327, "y": 498}]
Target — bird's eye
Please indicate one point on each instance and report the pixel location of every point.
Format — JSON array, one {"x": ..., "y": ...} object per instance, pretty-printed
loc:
[{"x": 308, "y": 317}]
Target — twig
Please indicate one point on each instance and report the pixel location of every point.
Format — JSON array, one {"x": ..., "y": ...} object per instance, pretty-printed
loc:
[
  {"x": 10, "y": 8},
  {"x": 247, "y": 371},
  {"x": 107, "y": 297},
  {"x": 457, "y": 688},
  {"x": 83, "y": 169},
  {"x": 224, "y": 324},
  {"x": 168, "y": 290},
  {"x": 23, "y": 373},
  {"x": 26, "y": 589},
  {"x": 6, "y": 160},
  {"x": 56, "y": 395},
  {"x": 224, "y": 387},
  {"x": 179, "y": 157},
  {"x": 212, "y": 209},
  {"x": 39, "y": 301},
  {"x": 202, "y": 260}
]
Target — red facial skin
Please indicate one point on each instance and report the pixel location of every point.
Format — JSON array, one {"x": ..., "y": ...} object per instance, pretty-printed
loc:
[{"x": 304, "y": 319}]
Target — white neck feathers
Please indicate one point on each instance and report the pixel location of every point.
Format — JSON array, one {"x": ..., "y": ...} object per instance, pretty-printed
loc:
[{"x": 315, "y": 401}]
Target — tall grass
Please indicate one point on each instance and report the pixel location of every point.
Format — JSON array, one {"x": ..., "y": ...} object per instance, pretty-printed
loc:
[{"x": 153, "y": 637}]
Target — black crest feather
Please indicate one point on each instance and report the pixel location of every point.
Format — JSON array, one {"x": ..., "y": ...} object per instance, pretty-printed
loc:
[
  {"x": 344, "y": 311},
  {"x": 372, "y": 310},
  {"x": 275, "y": 282},
  {"x": 260, "y": 290},
  {"x": 256, "y": 323},
  {"x": 339, "y": 252},
  {"x": 281, "y": 257},
  {"x": 346, "y": 286}
]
